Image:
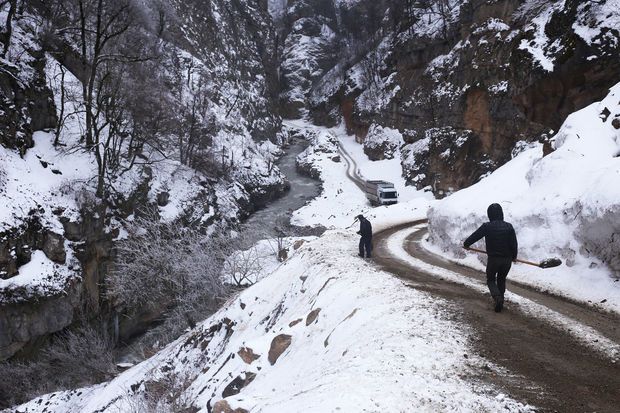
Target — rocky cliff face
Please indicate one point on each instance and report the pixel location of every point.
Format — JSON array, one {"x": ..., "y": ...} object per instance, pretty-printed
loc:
[
  {"x": 56, "y": 238},
  {"x": 465, "y": 82},
  {"x": 26, "y": 104}
]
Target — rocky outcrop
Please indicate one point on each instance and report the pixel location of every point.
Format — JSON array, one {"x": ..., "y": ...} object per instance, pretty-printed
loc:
[
  {"x": 248, "y": 355},
  {"x": 320, "y": 143},
  {"x": 238, "y": 383},
  {"x": 310, "y": 49},
  {"x": 18, "y": 243},
  {"x": 465, "y": 82},
  {"x": 223, "y": 406},
  {"x": 21, "y": 324},
  {"x": 312, "y": 316},
  {"x": 382, "y": 143},
  {"x": 26, "y": 103}
]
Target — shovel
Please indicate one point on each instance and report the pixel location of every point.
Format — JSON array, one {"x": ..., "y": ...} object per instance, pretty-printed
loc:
[
  {"x": 548, "y": 263},
  {"x": 352, "y": 223}
]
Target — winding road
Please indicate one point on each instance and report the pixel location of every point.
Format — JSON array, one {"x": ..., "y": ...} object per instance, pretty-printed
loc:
[{"x": 553, "y": 353}]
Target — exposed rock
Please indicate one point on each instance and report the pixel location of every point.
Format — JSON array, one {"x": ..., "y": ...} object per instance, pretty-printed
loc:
[
  {"x": 73, "y": 230},
  {"x": 382, "y": 143},
  {"x": 282, "y": 255},
  {"x": 23, "y": 322},
  {"x": 163, "y": 198},
  {"x": 54, "y": 247},
  {"x": 26, "y": 103},
  {"x": 310, "y": 49},
  {"x": 278, "y": 346},
  {"x": 235, "y": 386},
  {"x": 248, "y": 355},
  {"x": 312, "y": 316},
  {"x": 465, "y": 94},
  {"x": 222, "y": 406},
  {"x": 294, "y": 322},
  {"x": 297, "y": 244},
  {"x": 18, "y": 243},
  {"x": 616, "y": 123}
]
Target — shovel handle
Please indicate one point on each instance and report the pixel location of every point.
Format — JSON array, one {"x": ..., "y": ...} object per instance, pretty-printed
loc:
[{"x": 517, "y": 260}]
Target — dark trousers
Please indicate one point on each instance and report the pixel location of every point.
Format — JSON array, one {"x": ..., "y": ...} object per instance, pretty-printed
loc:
[
  {"x": 366, "y": 243},
  {"x": 497, "y": 271}
]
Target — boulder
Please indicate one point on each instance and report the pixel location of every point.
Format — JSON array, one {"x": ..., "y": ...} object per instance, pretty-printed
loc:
[
  {"x": 54, "y": 247},
  {"x": 248, "y": 355},
  {"x": 235, "y": 386},
  {"x": 312, "y": 316},
  {"x": 163, "y": 198},
  {"x": 222, "y": 406},
  {"x": 278, "y": 346},
  {"x": 382, "y": 143}
]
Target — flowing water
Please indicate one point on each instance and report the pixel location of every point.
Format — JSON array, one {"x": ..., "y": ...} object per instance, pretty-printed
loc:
[{"x": 302, "y": 190}]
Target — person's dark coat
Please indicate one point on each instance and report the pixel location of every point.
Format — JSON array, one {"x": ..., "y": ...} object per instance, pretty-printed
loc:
[
  {"x": 500, "y": 237},
  {"x": 365, "y": 231},
  {"x": 365, "y": 228}
]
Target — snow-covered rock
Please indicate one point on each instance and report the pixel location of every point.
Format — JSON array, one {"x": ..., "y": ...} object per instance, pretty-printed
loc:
[
  {"x": 382, "y": 142},
  {"x": 322, "y": 142}
]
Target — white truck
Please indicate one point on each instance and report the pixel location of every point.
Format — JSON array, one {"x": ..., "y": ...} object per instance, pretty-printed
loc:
[{"x": 381, "y": 192}]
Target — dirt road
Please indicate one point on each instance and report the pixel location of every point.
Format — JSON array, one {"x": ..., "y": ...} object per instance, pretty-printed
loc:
[{"x": 545, "y": 364}]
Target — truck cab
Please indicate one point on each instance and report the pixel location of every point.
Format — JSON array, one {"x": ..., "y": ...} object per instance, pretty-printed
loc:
[{"x": 381, "y": 193}]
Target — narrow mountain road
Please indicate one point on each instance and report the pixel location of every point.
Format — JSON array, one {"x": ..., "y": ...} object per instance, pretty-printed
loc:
[{"x": 542, "y": 361}]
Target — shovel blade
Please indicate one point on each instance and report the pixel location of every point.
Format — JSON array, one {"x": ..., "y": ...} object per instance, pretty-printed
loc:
[{"x": 550, "y": 263}]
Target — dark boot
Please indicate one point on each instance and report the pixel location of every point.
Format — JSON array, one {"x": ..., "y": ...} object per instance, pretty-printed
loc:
[{"x": 499, "y": 303}]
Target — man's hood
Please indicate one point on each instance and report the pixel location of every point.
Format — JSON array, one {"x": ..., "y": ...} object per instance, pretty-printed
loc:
[{"x": 495, "y": 212}]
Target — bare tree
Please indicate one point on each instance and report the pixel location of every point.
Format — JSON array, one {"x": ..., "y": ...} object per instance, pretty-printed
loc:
[
  {"x": 166, "y": 269},
  {"x": 243, "y": 267},
  {"x": 110, "y": 41},
  {"x": 74, "y": 358},
  {"x": 5, "y": 35}
]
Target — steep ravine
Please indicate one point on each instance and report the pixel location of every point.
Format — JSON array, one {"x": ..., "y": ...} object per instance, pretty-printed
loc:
[{"x": 74, "y": 230}]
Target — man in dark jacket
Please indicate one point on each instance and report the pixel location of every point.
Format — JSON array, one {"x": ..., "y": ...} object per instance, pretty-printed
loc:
[
  {"x": 501, "y": 242},
  {"x": 366, "y": 233}
]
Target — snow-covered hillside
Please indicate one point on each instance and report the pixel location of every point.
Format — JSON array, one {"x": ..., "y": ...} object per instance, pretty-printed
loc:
[
  {"x": 326, "y": 331},
  {"x": 566, "y": 204},
  {"x": 172, "y": 118}
]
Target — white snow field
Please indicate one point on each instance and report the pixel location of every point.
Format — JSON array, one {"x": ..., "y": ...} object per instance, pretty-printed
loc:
[
  {"x": 564, "y": 205},
  {"x": 359, "y": 341}
]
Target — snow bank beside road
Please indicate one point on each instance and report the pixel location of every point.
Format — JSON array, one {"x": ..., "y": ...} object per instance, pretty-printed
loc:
[
  {"x": 347, "y": 335},
  {"x": 566, "y": 204}
]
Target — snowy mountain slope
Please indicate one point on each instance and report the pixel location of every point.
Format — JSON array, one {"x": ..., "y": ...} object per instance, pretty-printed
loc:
[
  {"x": 325, "y": 331},
  {"x": 194, "y": 137},
  {"x": 566, "y": 204},
  {"x": 464, "y": 82}
]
